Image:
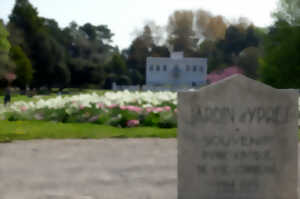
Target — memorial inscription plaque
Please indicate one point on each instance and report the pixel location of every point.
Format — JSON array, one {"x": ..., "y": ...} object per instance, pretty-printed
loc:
[{"x": 237, "y": 140}]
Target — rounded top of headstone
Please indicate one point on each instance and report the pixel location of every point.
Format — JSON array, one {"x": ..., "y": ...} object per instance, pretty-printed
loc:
[{"x": 239, "y": 81}]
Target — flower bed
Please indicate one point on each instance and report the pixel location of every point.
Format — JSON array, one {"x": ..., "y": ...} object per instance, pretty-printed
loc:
[{"x": 123, "y": 109}]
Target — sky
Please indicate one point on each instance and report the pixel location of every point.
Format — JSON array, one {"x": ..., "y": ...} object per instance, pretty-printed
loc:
[{"x": 123, "y": 17}]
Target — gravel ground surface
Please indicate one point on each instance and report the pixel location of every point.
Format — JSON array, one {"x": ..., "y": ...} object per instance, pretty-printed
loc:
[{"x": 89, "y": 169}]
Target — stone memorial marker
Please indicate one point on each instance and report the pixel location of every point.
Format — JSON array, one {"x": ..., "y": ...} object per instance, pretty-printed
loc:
[{"x": 237, "y": 140}]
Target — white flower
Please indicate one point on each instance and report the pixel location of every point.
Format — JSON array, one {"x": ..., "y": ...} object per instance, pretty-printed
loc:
[{"x": 122, "y": 98}]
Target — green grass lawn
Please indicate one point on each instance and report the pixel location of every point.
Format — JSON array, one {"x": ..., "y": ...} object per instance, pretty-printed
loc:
[
  {"x": 28, "y": 130},
  {"x": 17, "y": 97}
]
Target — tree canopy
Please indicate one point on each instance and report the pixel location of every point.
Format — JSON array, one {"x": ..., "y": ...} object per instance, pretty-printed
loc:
[
  {"x": 42, "y": 54},
  {"x": 280, "y": 65},
  {"x": 5, "y": 63},
  {"x": 181, "y": 31},
  {"x": 24, "y": 69}
]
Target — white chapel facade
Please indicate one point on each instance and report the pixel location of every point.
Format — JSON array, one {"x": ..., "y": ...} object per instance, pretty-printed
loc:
[{"x": 176, "y": 70}]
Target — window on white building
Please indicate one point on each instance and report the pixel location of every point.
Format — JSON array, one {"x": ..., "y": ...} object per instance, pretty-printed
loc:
[
  {"x": 165, "y": 68},
  {"x": 157, "y": 68},
  {"x": 201, "y": 69},
  {"x": 151, "y": 68},
  {"x": 195, "y": 68}
]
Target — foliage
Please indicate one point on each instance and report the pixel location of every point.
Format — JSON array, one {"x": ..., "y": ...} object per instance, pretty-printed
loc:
[
  {"x": 137, "y": 54},
  {"x": 157, "y": 33},
  {"x": 4, "y": 43},
  {"x": 46, "y": 53},
  {"x": 5, "y": 63},
  {"x": 122, "y": 109},
  {"x": 280, "y": 65},
  {"x": 240, "y": 46},
  {"x": 144, "y": 45},
  {"x": 248, "y": 61},
  {"x": 24, "y": 69},
  {"x": 234, "y": 42},
  {"x": 117, "y": 66},
  {"x": 83, "y": 56},
  {"x": 181, "y": 34},
  {"x": 211, "y": 27},
  {"x": 61, "y": 57},
  {"x": 288, "y": 10},
  {"x": 88, "y": 51}
]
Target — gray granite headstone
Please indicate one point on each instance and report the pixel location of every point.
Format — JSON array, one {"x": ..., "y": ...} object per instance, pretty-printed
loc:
[{"x": 237, "y": 140}]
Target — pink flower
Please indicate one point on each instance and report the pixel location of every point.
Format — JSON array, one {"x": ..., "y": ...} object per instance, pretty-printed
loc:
[
  {"x": 158, "y": 109},
  {"x": 175, "y": 110},
  {"x": 123, "y": 107},
  {"x": 23, "y": 108},
  {"x": 132, "y": 123},
  {"x": 149, "y": 109},
  {"x": 134, "y": 109},
  {"x": 81, "y": 107},
  {"x": 131, "y": 108},
  {"x": 112, "y": 106},
  {"x": 167, "y": 108},
  {"x": 100, "y": 106}
]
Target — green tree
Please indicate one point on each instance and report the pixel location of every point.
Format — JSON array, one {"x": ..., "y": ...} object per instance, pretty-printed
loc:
[
  {"x": 215, "y": 56},
  {"x": 248, "y": 61},
  {"x": 280, "y": 65},
  {"x": 118, "y": 65},
  {"x": 235, "y": 40},
  {"x": 118, "y": 70},
  {"x": 24, "y": 69},
  {"x": 143, "y": 46},
  {"x": 181, "y": 35},
  {"x": 140, "y": 48},
  {"x": 40, "y": 44},
  {"x": 209, "y": 26},
  {"x": 289, "y": 11},
  {"x": 24, "y": 24},
  {"x": 4, "y": 43},
  {"x": 252, "y": 38},
  {"x": 73, "y": 56},
  {"x": 5, "y": 63},
  {"x": 88, "y": 51},
  {"x": 147, "y": 36},
  {"x": 157, "y": 32}
]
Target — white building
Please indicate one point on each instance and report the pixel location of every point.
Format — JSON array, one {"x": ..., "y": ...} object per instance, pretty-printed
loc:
[{"x": 176, "y": 71}]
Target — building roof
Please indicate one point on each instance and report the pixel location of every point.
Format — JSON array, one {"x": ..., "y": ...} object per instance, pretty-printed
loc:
[{"x": 176, "y": 57}]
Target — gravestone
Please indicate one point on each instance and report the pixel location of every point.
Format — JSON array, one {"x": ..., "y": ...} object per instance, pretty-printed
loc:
[{"x": 237, "y": 140}]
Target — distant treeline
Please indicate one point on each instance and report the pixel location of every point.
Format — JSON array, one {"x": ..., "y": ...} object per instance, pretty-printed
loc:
[{"x": 41, "y": 54}]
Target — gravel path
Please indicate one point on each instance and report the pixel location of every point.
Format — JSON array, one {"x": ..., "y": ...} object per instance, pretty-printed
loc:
[{"x": 89, "y": 169}]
